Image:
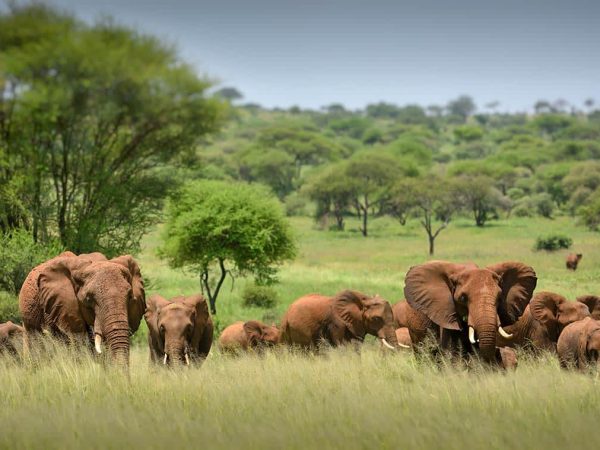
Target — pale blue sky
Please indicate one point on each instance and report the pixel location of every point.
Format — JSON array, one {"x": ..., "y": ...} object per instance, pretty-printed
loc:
[{"x": 312, "y": 53}]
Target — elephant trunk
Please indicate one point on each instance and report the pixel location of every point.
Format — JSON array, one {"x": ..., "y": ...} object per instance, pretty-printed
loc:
[
  {"x": 112, "y": 329},
  {"x": 176, "y": 353},
  {"x": 483, "y": 321}
]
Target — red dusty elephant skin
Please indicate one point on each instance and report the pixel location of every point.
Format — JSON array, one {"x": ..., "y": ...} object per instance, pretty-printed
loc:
[
  {"x": 250, "y": 335},
  {"x": 579, "y": 344}
]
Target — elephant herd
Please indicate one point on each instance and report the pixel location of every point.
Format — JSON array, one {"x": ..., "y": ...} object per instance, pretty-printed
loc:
[{"x": 464, "y": 309}]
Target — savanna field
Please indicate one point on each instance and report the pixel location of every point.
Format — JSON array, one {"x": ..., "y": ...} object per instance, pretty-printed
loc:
[{"x": 341, "y": 399}]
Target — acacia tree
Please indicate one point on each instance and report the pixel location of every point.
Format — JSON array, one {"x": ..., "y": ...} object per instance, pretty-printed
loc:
[
  {"x": 89, "y": 112},
  {"x": 369, "y": 175},
  {"x": 432, "y": 200},
  {"x": 332, "y": 190},
  {"x": 479, "y": 196},
  {"x": 218, "y": 228}
]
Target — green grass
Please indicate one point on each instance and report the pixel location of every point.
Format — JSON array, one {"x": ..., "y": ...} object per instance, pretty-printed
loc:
[{"x": 338, "y": 400}]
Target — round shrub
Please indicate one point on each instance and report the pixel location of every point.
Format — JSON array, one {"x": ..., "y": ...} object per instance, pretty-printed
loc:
[
  {"x": 259, "y": 296},
  {"x": 553, "y": 242}
]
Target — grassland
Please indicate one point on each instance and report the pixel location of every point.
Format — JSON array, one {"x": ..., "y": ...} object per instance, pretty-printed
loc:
[{"x": 338, "y": 400}]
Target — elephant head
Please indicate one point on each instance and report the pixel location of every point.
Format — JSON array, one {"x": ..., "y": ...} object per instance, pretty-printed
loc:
[
  {"x": 593, "y": 304},
  {"x": 477, "y": 301},
  {"x": 363, "y": 315},
  {"x": 9, "y": 332},
  {"x": 178, "y": 327},
  {"x": 260, "y": 334},
  {"x": 100, "y": 295},
  {"x": 555, "y": 312}
]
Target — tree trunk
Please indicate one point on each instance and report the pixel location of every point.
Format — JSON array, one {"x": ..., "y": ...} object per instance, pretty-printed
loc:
[{"x": 431, "y": 241}]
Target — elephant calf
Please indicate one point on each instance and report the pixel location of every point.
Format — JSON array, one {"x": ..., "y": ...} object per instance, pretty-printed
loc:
[
  {"x": 9, "y": 333},
  {"x": 251, "y": 335},
  {"x": 579, "y": 344},
  {"x": 179, "y": 329},
  {"x": 346, "y": 317}
]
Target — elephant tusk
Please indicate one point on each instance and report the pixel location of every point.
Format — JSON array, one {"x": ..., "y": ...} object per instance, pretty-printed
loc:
[
  {"x": 384, "y": 342},
  {"x": 504, "y": 334},
  {"x": 98, "y": 343},
  {"x": 472, "y": 335},
  {"x": 400, "y": 344},
  {"x": 187, "y": 359},
  {"x": 165, "y": 360}
]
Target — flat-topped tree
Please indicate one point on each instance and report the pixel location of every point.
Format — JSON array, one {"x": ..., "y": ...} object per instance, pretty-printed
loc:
[{"x": 222, "y": 228}]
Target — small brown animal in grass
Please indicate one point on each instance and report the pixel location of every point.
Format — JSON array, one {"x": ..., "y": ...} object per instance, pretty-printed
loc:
[{"x": 573, "y": 259}]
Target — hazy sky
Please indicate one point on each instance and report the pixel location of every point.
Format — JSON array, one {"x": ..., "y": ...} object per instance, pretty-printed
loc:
[{"x": 311, "y": 53}]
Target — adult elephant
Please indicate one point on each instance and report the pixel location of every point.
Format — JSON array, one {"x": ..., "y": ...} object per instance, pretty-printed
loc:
[
  {"x": 250, "y": 335},
  {"x": 543, "y": 321},
  {"x": 470, "y": 304},
  {"x": 346, "y": 317},
  {"x": 179, "y": 330},
  {"x": 86, "y": 297}
]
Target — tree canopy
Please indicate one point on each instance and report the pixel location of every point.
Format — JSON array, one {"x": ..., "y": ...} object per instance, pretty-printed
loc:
[{"x": 226, "y": 228}]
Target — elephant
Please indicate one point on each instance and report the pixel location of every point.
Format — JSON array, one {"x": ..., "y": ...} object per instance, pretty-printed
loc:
[
  {"x": 593, "y": 304},
  {"x": 542, "y": 322},
  {"x": 573, "y": 260},
  {"x": 87, "y": 298},
  {"x": 9, "y": 333},
  {"x": 251, "y": 335},
  {"x": 469, "y": 304},
  {"x": 579, "y": 344},
  {"x": 179, "y": 330},
  {"x": 346, "y": 317}
]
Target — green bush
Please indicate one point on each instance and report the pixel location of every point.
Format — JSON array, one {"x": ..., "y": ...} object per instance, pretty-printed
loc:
[
  {"x": 9, "y": 308},
  {"x": 259, "y": 296},
  {"x": 18, "y": 255},
  {"x": 553, "y": 242}
]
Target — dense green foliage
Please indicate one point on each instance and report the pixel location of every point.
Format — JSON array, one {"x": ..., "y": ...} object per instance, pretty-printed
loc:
[
  {"x": 18, "y": 255},
  {"x": 259, "y": 296},
  {"x": 233, "y": 228},
  {"x": 553, "y": 242},
  {"x": 91, "y": 117}
]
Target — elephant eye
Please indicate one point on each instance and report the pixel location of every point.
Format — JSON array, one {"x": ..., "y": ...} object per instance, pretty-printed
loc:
[
  {"x": 462, "y": 298},
  {"x": 162, "y": 329}
]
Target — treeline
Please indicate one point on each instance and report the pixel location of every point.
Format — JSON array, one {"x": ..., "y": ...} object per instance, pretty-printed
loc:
[{"x": 432, "y": 163}]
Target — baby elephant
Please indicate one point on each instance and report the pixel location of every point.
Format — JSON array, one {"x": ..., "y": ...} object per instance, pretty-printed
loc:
[
  {"x": 573, "y": 259},
  {"x": 251, "y": 335},
  {"x": 9, "y": 333},
  {"x": 179, "y": 329},
  {"x": 579, "y": 344}
]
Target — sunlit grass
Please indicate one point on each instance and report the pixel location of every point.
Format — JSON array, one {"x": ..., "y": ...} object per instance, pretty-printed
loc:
[{"x": 341, "y": 399}]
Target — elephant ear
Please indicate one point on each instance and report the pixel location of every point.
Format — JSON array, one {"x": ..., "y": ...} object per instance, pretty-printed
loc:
[
  {"x": 544, "y": 307},
  {"x": 254, "y": 331},
  {"x": 137, "y": 304},
  {"x": 593, "y": 304},
  {"x": 517, "y": 281},
  {"x": 201, "y": 318},
  {"x": 429, "y": 288},
  {"x": 153, "y": 305},
  {"x": 348, "y": 307},
  {"x": 57, "y": 287}
]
